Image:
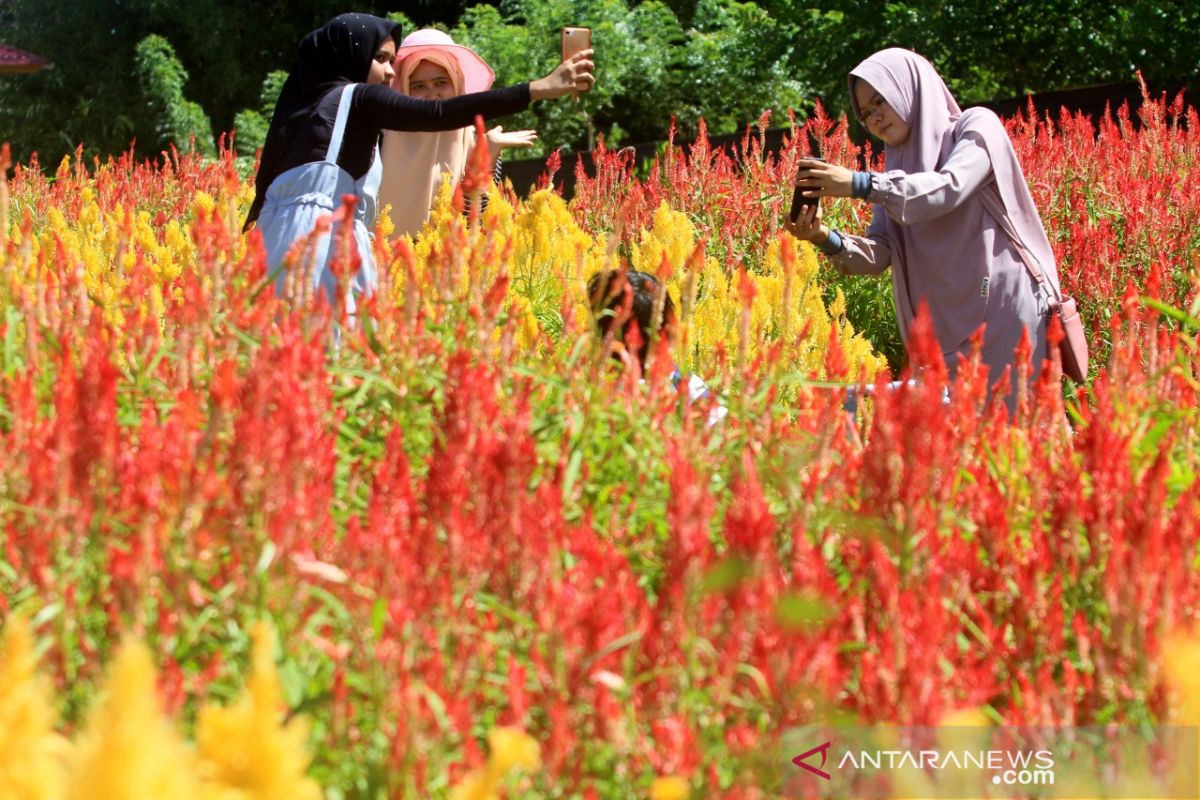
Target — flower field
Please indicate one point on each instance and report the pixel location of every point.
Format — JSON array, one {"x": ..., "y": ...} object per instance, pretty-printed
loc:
[{"x": 463, "y": 554}]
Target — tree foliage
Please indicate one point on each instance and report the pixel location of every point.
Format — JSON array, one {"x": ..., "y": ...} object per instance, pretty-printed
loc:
[
  {"x": 94, "y": 95},
  {"x": 179, "y": 121},
  {"x": 90, "y": 95},
  {"x": 723, "y": 60},
  {"x": 251, "y": 124},
  {"x": 992, "y": 50},
  {"x": 650, "y": 68}
]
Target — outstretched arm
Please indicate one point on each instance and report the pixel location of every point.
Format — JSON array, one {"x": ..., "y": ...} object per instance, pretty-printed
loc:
[{"x": 388, "y": 109}]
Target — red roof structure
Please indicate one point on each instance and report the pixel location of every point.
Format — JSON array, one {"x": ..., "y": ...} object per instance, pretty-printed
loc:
[{"x": 18, "y": 62}]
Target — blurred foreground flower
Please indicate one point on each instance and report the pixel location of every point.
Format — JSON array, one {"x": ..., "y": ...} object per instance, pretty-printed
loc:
[
  {"x": 128, "y": 750},
  {"x": 511, "y": 748},
  {"x": 31, "y": 753},
  {"x": 247, "y": 744},
  {"x": 671, "y": 787}
]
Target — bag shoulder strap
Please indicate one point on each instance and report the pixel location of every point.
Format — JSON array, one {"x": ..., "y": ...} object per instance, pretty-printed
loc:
[
  {"x": 339, "y": 126},
  {"x": 990, "y": 196}
]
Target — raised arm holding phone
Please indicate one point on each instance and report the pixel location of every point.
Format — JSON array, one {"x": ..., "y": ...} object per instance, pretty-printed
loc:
[
  {"x": 431, "y": 66},
  {"x": 574, "y": 42},
  {"x": 323, "y": 143}
]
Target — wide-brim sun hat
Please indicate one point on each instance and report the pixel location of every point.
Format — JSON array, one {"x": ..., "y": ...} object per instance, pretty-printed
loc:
[{"x": 477, "y": 75}]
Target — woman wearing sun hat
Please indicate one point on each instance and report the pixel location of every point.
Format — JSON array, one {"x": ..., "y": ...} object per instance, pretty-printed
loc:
[
  {"x": 322, "y": 146},
  {"x": 430, "y": 66}
]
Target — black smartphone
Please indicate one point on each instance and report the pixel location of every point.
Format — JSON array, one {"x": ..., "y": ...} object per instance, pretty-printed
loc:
[{"x": 799, "y": 201}]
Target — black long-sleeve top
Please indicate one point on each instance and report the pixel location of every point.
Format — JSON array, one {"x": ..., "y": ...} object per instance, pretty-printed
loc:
[{"x": 376, "y": 108}]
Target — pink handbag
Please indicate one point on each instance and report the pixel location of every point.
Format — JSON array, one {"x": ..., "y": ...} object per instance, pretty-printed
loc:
[{"x": 1073, "y": 348}]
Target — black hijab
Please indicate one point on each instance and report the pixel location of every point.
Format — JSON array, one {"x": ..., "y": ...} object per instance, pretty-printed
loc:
[{"x": 337, "y": 53}]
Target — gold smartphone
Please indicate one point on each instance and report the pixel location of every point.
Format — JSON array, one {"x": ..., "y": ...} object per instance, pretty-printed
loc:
[{"x": 575, "y": 40}]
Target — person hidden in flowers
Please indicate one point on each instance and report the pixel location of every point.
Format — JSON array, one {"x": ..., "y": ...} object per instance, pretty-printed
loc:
[
  {"x": 623, "y": 301},
  {"x": 953, "y": 216},
  {"x": 323, "y": 144},
  {"x": 430, "y": 66}
]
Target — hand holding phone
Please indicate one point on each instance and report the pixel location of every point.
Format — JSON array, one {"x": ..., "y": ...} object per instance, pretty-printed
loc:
[
  {"x": 799, "y": 201},
  {"x": 575, "y": 40}
]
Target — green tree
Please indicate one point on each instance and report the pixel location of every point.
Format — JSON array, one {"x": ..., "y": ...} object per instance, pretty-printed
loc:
[
  {"x": 428, "y": 12},
  {"x": 649, "y": 67},
  {"x": 251, "y": 124},
  {"x": 90, "y": 96},
  {"x": 723, "y": 60},
  {"x": 93, "y": 96},
  {"x": 179, "y": 121},
  {"x": 994, "y": 50},
  {"x": 229, "y": 47},
  {"x": 736, "y": 65}
]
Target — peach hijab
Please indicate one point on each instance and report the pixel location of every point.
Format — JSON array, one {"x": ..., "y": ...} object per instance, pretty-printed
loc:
[{"x": 414, "y": 162}]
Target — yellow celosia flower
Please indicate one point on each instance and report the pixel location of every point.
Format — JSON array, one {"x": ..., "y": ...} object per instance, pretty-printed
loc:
[
  {"x": 511, "y": 748},
  {"x": 552, "y": 255},
  {"x": 526, "y": 322},
  {"x": 1181, "y": 668},
  {"x": 442, "y": 210},
  {"x": 127, "y": 750},
  {"x": 31, "y": 753},
  {"x": 475, "y": 786},
  {"x": 671, "y": 235},
  {"x": 499, "y": 212},
  {"x": 670, "y": 787},
  {"x": 246, "y": 745},
  {"x": 386, "y": 226},
  {"x": 548, "y": 259},
  {"x": 787, "y": 300},
  {"x": 545, "y": 254},
  {"x": 965, "y": 718},
  {"x": 203, "y": 203},
  {"x": 1181, "y": 671}
]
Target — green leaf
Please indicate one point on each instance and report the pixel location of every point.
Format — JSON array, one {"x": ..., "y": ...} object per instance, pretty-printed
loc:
[
  {"x": 572, "y": 472},
  {"x": 725, "y": 575},
  {"x": 378, "y": 617},
  {"x": 1177, "y": 314},
  {"x": 45, "y": 614},
  {"x": 265, "y": 558},
  {"x": 802, "y": 610}
]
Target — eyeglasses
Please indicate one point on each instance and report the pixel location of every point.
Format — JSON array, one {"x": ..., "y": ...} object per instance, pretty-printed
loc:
[{"x": 865, "y": 113}]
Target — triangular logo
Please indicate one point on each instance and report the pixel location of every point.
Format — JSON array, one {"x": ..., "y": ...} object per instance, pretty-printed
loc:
[{"x": 823, "y": 749}]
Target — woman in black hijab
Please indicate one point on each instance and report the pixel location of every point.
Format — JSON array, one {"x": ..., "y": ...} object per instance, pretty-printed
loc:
[{"x": 324, "y": 134}]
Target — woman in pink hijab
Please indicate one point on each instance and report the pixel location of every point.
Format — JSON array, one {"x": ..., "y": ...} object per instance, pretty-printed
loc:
[
  {"x": 430, "y": 66},
  {"x": 953, "y": 216}
]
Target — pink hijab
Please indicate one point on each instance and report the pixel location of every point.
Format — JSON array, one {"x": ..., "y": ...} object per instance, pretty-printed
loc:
[{"x": 913, "y": 88}]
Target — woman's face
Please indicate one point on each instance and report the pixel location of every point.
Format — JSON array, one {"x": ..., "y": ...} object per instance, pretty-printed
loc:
[
  {"x": 879, "y": 118},
  {"x": 381, "y": 64},
  {"x": 430, "y": 82}
]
